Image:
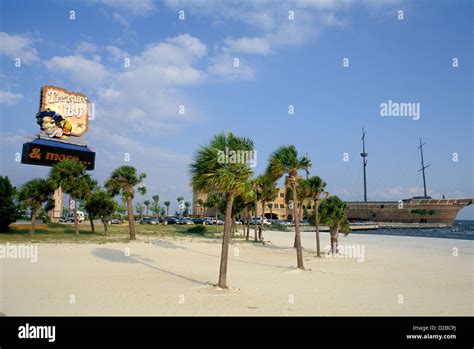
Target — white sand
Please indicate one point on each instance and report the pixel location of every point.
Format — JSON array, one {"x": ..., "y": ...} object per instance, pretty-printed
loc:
[{"x": 178, "y": 277}]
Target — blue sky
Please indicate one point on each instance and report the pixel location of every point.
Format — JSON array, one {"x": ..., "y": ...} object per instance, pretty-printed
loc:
[{"x": 283, "y": 62}]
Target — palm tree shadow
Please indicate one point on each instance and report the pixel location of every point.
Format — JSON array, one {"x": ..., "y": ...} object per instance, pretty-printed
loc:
[
  {"x": 158, "y": 243},
  {"x": 118, "y": 256}
]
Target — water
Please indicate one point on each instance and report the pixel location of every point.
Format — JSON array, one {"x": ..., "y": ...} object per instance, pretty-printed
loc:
[{"x": 461, "y": 229}]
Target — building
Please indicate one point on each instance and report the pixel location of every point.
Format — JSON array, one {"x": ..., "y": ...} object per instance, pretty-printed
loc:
[{"x": 279, "y": 208}]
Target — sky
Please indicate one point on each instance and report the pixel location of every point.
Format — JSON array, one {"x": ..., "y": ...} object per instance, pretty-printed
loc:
[{"x": 142, "y": 63}]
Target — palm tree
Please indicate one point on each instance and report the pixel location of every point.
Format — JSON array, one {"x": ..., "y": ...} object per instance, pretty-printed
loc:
[
  {"x": 121, "y": 208},
  {"x": 255, "y": 184},
  {"x": 124, "y": 180},
  {"x": 71, "y": 176},
  {"x": 316, "y": 186},
  {"x": 85, "y": 189},
  {"x": 167, "y": 204},
  {"x": 147, "y": 204},
  {"x": 283, "y": 161},
  {"x": 301, "y": 194},
  {"x": 100, "y": 204},
  {"x": 155, "y": 208},
  {"x": 139, "y": 208},
  {"x": 213, "y": 202},
  {"x": 162, "y": 211},
  {"x": 187, "y": 204},
  {"x": 333, "y": 212},
  {"x": 33, "y": 194},
  {"x": 200, "y": 204},
  {"x": 270, "y": 207},
  {"x": 249, "y": 196},
  {"x": 210, "y": 175},
  {"x": 180, "y": 201},
  {"x": 268, "y": 192}
]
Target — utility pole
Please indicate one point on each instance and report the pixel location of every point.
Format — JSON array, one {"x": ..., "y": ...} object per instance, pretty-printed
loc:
[
  {"x": 364, "y": 162},
  {"x": 423, "y": 167}
]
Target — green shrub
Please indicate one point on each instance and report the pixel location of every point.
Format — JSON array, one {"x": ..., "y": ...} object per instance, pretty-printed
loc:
[
  {"x": 198, "y": 229},
  {"x": 8, "y": 208}
]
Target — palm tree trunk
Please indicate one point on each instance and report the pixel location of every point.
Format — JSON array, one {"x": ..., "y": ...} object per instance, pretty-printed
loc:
[
  {"x": 247, "y": 224},
  {"x": 106, "y": 228},
  {"x": 76, "y": 224},
  {"x": 131, "y": 224},
  {"x": 216, "y": 219},
  {"x": 263, "y": 216},
  {"x": 299, "y": 251},
  {"x": 33, "y": 221},
  {"x": 92, "y": 223},
  {"x": 255, "y": 222},
  {"x": 333, "y": 240},
  {"x": 316, "y": 219},
  {"x": 232, "y": 226},
  {"x": 225, "y": 242},
  {"x": 300, "y": 210}
]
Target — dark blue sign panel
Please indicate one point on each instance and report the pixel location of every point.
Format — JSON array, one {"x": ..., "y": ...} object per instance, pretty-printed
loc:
[{"x": 47, "y": 153}]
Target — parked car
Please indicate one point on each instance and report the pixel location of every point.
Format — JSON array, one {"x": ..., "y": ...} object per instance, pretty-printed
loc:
[
  {"x": 149, "y": 220},
  {"x": 198, "y": 220},
  {"x": 210, "y": 221},
  {"x": 259, "y": 220},
  {"x": 70, "y": 217},
  {"x": 184, "y": 220},
  {"x": 115, "y": 221},
  {"x": 304, "y": 222},
  {"x": 170, "y": 220}
]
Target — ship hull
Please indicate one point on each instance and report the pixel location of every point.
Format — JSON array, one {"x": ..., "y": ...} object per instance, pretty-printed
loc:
[{"x": 408, "y": 211}]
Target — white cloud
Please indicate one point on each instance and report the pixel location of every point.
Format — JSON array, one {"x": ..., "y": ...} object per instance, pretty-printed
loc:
[
  {"x": 134, "y": 7},
  {"x": 18, "y": 46},
  {"x": 115, "y": 54},
  {"x": 182, "y": 50},
  {"x": 145, "y": 93},
  {"x": 172, "y": 166},
  {"x": 270, "y": 20},
  {"x": 86, "y": 47},
  {"x": 223, "y": 67},
  {"x": 256, "y": 45},
  {"x": 88, "y": 73},
  {"x": 120, "y": 19},
  {"x": 10, "y": 98}
]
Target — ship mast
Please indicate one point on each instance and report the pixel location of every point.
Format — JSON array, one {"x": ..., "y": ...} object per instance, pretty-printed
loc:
[
  {"x": 364, "y": 162},
  {"x": 423, "y": 167}
]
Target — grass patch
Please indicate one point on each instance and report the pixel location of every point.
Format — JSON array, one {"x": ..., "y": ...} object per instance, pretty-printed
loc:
[{"x": 63, "y": 232}]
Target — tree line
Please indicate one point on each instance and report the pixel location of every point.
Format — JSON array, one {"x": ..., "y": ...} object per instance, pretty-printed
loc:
[{"x": 240, "y": 192}]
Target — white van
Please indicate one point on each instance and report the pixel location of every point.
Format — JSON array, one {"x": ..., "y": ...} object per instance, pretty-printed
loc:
[{"x": 70, "y": 217}]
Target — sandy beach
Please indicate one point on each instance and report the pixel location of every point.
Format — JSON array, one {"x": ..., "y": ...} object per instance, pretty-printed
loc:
[{"x": 382, "y": 275}]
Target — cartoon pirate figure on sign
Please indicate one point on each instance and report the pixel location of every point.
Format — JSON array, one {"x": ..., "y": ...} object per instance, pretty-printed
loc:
[{"x": 53, "y": 124}]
